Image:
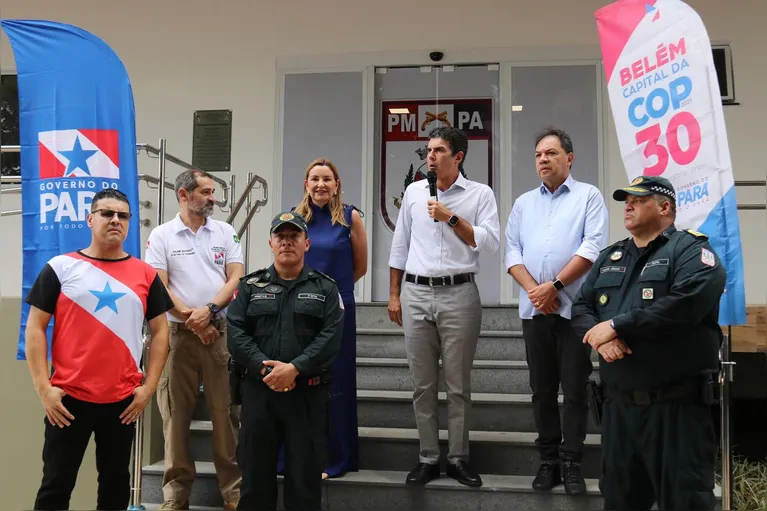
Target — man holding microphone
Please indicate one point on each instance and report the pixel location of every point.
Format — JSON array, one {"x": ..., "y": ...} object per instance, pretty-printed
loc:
[{"x": 436, "y": 249}]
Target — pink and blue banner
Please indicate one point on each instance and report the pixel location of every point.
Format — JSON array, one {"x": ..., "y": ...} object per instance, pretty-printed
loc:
[
  {"x": 78, "y": 136},
  {"x": 668, "y": 115}
]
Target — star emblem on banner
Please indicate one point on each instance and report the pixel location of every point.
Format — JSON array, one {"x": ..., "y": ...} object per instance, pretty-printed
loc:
[
  {"x": 107, "y": 298},
  {"x": 78, "y": 158}
]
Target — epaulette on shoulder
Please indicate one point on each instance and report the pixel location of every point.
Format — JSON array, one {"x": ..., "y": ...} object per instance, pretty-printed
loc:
[
  {"x": 256, "y": 275},
  {"x": 615, "y": 245},
  {"x": 326, "y": 276},
  {"x": 697, "y": 234}
]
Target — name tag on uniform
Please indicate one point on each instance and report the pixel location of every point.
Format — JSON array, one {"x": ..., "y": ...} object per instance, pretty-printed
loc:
[
  {"x": 656, "y": 262},
  {"x": 262, "y": 296},
  {"x": 311, "y": 296},
  {"x": 611, "y": 269}
]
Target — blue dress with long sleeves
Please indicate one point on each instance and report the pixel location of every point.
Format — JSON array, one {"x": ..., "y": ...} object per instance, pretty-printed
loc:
[{"x": 330, "y": 252}]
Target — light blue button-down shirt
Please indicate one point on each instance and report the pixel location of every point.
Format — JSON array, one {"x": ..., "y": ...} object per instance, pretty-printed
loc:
[{"x": 545, "y": 230}]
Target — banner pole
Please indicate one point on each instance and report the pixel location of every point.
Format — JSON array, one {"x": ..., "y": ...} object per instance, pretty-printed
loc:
[{"x": 725, "y": 378}]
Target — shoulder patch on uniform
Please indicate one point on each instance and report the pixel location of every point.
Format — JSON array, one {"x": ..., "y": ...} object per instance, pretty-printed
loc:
[
  {"x": 697, "y": 234},
  {"x": 707, "y": 257}
]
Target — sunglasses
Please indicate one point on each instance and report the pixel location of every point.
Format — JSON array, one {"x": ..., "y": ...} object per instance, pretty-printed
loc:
[{"x": 108, "y": 213}]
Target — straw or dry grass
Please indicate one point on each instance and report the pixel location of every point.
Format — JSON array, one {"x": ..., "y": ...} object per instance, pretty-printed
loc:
[{"x": 749, "y": 484}]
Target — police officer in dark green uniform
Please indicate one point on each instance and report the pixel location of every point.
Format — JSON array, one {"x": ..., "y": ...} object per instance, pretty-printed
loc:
[
  {"x": 650, "y": 306},
  {"x": 285, "y": 327}
]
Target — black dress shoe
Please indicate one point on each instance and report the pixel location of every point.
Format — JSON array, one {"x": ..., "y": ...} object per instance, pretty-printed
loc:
[
  {"x": 574, "y": 483},
  {"x": 548, "y": 476},
  {"x": 462, "y": 473},
  {"x": 422, "y": 474}
]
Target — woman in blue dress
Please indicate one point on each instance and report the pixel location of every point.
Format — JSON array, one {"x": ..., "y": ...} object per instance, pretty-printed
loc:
[{"x": 339, "y": 249}]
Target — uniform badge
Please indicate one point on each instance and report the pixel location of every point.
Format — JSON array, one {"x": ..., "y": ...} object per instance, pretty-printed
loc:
[
  {"x": 262, "y": 284},
  {"x": 637, "y": 181},
  {"x": 616, "y": 255},
  {"x": 286, "y": 216},
  {"x": 273, "y": 289},
  {"x": 251, "y": 281},
  {"x": 647, "y": 293},
  {"x": 603, "y": 299},
  {"x": 707, "y": 257}
]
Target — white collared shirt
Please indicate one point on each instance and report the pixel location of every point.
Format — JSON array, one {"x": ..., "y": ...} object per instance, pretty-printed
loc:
[
  {"x": 433, "y": 249},
  {"x": 196, "y": 263}
]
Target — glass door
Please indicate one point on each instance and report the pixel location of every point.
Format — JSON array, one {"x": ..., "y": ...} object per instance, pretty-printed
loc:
[{"x": 409, "y": 103}]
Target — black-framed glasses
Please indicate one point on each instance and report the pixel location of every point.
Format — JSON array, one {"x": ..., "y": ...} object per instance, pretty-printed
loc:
[{"x": 108, "y": 213}]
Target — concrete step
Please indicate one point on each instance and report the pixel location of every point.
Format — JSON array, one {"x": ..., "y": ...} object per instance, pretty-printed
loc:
[
  {"x": 394, "y": 409},
  {"x": 390, "y": 343},
  {"x": 490, "y": 412},
  {"x": 487, "y": 376},
  {"x": 375, "y": 490},
  {"x": 494, "y": 317},
  {"x": 493, "y": 452},
  {"x": 492, "y": 345}
]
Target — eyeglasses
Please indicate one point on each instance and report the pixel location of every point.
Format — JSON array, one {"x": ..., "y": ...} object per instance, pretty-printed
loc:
[{"x": 108, "y": 213}]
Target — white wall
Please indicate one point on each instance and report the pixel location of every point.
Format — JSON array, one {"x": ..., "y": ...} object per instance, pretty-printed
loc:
[{"x": 184, "y": 55}]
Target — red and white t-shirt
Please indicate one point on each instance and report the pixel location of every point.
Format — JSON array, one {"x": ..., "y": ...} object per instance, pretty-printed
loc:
[{"x": 98, "y": 307}]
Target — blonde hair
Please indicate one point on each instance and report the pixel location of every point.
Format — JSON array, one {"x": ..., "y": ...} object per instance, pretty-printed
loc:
[{"x": 336, "y": 206}]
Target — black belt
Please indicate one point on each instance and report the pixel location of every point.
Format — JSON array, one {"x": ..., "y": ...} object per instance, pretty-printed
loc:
[
  {"x": 447, "y": 280},
  {"x": 690, "y": 390}
]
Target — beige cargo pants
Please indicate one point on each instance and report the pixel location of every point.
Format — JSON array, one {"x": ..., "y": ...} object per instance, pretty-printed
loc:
[{"x": 177, "y": 395}]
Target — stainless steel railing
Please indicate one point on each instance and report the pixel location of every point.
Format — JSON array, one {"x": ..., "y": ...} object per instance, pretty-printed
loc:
[
  {"x": 181, "y": 163},
  {"x": 752, "y": 207}
]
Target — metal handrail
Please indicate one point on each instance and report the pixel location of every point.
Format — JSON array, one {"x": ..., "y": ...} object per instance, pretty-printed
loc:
[
  {"x": 252, "y": 180},
  {"x": 256, "y": 206},
  {"x": 154, "y": 150},
  {"x": 155, "y": 181},
  {"x": 751, "y": 207}
]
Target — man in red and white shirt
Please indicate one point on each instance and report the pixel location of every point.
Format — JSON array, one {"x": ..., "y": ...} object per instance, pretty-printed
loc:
[{"x": 99, "y": 297}]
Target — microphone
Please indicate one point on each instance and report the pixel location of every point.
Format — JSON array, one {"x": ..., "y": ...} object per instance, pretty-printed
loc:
[{"x": 431, "y": 177}]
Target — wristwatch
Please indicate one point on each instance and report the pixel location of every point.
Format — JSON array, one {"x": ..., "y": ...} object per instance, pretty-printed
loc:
[
  {"x": 453, "y": 221},
  {"x": 213, "y": 308},
  {"x": 558, "y": 285}
]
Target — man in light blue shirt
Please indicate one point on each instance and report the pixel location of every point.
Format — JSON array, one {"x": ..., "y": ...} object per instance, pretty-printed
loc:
[{"x": 553, "y": 236}]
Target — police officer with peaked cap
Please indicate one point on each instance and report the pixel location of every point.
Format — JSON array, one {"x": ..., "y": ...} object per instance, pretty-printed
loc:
[
  {"x": 650, "y": 307},
  {"x": 285, "y": 327}
]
